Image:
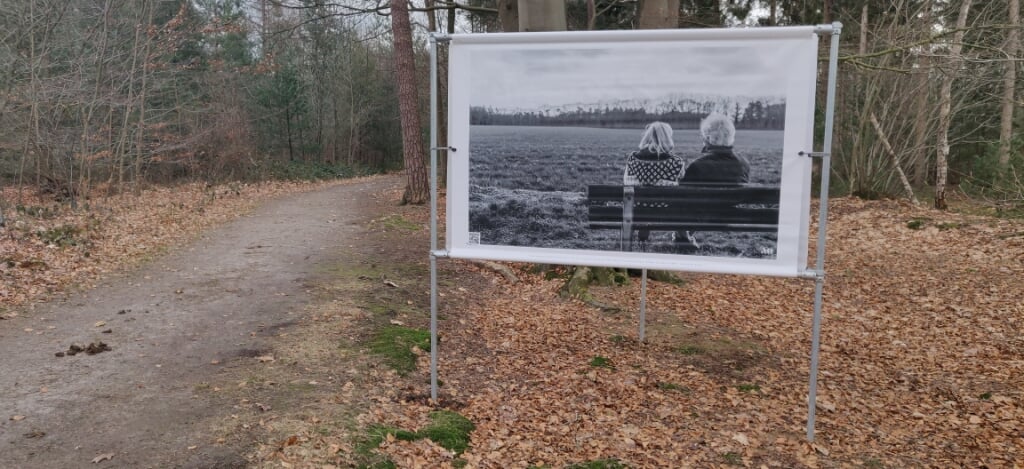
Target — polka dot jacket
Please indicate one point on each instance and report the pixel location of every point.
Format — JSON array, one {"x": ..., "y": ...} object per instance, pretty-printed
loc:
[{"x": 646, "y": 168}]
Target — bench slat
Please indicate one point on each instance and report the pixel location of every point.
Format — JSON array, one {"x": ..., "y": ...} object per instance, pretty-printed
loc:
[
  {"x": 743, "y": 227},
  {"x": 689, "y": 207},
  {"x": 749, "y": 194},
  {"x": 767, "y": 216}
]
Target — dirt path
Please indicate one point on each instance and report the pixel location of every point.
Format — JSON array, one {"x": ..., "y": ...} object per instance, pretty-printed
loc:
[{"x": 172, "y": 325}]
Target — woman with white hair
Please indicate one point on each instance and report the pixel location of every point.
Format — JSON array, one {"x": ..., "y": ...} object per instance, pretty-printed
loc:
[{"x": 653, "y": 164}]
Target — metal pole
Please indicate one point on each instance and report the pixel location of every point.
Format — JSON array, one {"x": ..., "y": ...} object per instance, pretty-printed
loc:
[
  {"x": 643, "y": 302},
  {"x": 433, "y": 217},
  {"x": 819, "y": 283}
]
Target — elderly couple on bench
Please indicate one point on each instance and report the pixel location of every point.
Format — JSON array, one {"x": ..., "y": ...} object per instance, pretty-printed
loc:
[{"x": 654, "y": 164}]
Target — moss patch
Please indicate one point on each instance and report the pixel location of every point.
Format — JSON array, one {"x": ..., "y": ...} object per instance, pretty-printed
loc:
[
  {"x": 394, "y": 344},
  {"x": 448, "y": 429},
  {"x": 599, "y": 464},
  {"x": 601, "y": 362},
  {"x": 396, "y": 223}
]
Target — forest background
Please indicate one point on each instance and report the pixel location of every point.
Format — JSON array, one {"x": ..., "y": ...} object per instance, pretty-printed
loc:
[{"x": 100, "y": 96}]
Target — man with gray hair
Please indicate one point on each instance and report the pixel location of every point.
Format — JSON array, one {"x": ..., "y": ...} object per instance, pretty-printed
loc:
[{"x": 718, "y": 163}]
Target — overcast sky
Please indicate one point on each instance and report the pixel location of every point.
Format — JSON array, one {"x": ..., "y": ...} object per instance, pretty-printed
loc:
[{"x": 532, "y": 78}]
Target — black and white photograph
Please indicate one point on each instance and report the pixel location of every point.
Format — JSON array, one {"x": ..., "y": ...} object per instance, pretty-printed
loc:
[{"x": 640, "y": 147}]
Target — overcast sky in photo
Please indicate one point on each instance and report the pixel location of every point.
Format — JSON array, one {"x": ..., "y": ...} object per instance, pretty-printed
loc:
[{"x": 535, "y": 78}]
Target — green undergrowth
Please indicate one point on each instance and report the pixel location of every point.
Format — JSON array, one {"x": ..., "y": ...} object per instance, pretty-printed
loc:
[
  {"x": 601, "y": 362},
  {"x": 448, "y": 429},
  {"x": 302, "y": 171},
  {"x": 595, "y": 464},
  {"x": 673, "y": 387},
  {"x": 396, "y": 223},
  {"x": 749, "y": 388},
  {"x": 62, "y": 236},
  {"x": 394, "y": 345}
]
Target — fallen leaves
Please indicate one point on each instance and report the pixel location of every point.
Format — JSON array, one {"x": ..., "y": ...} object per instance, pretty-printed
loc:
[
  {"x": 922, "y": 360},
  {"x": 113, "y": 232},
  {"x": 103, "y": 457}
]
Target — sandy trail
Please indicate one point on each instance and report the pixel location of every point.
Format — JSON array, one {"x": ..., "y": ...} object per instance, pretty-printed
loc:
[{"x": 174, "y": 323}]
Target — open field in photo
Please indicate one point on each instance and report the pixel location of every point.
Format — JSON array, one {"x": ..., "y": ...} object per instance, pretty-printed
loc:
[{"x": 528, "y": 186}]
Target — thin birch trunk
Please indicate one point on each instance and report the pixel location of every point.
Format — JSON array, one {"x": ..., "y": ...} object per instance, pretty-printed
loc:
[
  {"x": 1009, "y": 84},
  {"x": 895, "y": 160},
  {"x": 122, "y": 140},
  {"x": 863, "y": 30},
  {"x": 945, "y": 107},
  {"x": 919, "y": 161},
  {"x": 141, "y": 132}
]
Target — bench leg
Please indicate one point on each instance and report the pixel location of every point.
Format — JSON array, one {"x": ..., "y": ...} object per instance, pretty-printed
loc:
[{"x": 627, "y": 218}]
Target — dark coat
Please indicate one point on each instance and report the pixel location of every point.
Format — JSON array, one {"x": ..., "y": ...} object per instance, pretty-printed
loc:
[{"x": 718, "y": 164}]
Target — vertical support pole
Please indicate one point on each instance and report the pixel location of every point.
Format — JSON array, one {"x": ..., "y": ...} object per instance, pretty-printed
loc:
[
  {"x": 433, "y": 217},
  {"x": 643, "y": 303},
  {"x": 819, "y": 282}
]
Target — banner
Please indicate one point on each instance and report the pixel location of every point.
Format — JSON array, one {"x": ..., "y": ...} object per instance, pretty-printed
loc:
[{"x": 660, "y": 149}]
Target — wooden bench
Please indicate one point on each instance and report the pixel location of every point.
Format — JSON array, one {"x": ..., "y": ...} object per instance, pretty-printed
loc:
[{"x": 687, "y": 207}]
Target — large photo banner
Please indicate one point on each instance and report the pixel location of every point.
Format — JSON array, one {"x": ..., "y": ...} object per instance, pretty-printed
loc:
[{"x": 668, "y": 149}]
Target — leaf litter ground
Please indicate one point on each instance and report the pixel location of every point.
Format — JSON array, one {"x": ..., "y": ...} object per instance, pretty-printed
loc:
[
  {"x": 921, "y": 357},
  {"x": 921, "y": 365},
  {"x": 47, "y": 247}
]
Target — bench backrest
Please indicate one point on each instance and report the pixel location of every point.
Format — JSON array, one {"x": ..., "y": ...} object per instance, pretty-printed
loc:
[{"x": 690, "y": 207}]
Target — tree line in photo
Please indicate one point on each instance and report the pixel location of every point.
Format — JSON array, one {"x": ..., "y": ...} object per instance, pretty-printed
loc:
[{"x": 756, "y": 116}]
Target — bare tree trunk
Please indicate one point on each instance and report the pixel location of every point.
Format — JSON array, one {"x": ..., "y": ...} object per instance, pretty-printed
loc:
[
  {"x": 122, "y": 141},
  {"x": 417, "y": 189},
  {"x": 1009, "y": 83},
  {"x": 139, "y": 138},
  {"x": 945, "y": 107},
  {"x": 826, "y": 11},
  {"x": 542, "y": 15},
  {"x": 32, "y": 136},
  {"x": 591, "y": 15},
  {"x": 919, "y": 161},
  {"x": 508, "y": 15},
  {"x": 863, "y": 30},
  {"x": 772, "y": 12},
  {"x": 431, "y": 16},
  {"x": 452, "y": 15},
  {"x": 442, "y": 108},
  {"x": 263, "y": 28},
  {"x": 659, "y": 14}
]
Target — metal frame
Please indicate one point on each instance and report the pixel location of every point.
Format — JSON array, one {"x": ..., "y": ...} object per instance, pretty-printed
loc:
[
  {"x": 817, "y": 273},
  {"x": 435, "y": 38}
]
